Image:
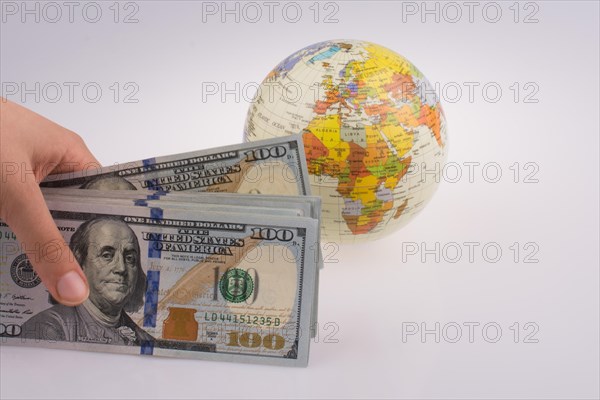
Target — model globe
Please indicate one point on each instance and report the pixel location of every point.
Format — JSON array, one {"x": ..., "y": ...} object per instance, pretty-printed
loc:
[{"x": 373, "y": 129}]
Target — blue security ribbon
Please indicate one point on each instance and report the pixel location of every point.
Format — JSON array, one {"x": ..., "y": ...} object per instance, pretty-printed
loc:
[
  {"x": 154, "y": 245},
  {"x": 151, "y": 305},
  {"x": 151, "y": 183}
]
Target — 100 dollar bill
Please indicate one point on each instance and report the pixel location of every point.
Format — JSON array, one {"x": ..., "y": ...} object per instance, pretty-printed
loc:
[
  {"x": 171, "y": 282},
  {"x": 308, "y": 206},
  {"x": 274, "y": 166}
]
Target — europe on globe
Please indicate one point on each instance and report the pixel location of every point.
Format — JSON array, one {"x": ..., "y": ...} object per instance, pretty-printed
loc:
[{"x": 373, "y": 128}]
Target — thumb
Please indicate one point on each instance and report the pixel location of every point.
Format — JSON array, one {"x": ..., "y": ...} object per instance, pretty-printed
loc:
[
  {"x": 77, "y": 156},
  {"x": 45, "y": 247}
]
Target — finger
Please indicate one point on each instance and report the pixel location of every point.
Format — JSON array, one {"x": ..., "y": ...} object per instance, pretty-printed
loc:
[{"x": 44, "y": 245}]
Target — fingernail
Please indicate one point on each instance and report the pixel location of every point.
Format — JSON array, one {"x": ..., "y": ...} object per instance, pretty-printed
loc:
[{"x": 71, "y": 288}]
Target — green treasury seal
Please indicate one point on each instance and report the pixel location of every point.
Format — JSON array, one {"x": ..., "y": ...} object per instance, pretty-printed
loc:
[{"x": 236, "y": 285}]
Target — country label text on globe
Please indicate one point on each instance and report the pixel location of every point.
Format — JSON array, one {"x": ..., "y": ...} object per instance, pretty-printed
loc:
[{"x": 373, "y": 128}]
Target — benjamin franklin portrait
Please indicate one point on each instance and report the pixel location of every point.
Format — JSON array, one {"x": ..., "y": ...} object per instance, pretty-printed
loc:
[{"x": 109, "y": 254}]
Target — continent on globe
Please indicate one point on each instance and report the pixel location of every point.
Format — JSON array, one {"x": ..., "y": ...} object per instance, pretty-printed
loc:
[{"x": 371, "y": 124}]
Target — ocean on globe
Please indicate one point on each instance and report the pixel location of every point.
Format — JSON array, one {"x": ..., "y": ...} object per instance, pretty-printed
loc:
[{"x": 373, "y": 129}]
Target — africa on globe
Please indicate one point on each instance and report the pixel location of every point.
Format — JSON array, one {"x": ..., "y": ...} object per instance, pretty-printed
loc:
[{"x": 373, "y": 128}]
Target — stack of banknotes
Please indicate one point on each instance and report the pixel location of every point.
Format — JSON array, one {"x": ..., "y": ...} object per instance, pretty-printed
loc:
[{"x": 211, "y": 254}]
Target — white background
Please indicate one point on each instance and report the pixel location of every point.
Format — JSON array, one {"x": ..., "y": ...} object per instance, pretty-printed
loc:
[{"x": 370, "y": 292}]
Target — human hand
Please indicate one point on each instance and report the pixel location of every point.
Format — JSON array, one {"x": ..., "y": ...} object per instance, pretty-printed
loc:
[{"x": 32, "y": 147}]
